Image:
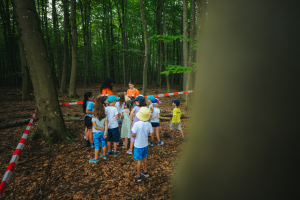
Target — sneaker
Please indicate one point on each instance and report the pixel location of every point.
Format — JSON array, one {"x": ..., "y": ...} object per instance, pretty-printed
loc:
[
  {"x": 182, "y": 139},
  {"x": 151, "y": 144},
  {"x": 139, "y": 179},
  {"x": 129, "y": 152},
  {"x": 94, "y": 160},
  {"x": 116, "y": 153},
  {"x": 104, "y": 157},
  {"x": 109, "y": 153},
  {"x": 160, "y": 143},
  {"x": 166, "y": 134},
  {"x": 146, "y": 174}
]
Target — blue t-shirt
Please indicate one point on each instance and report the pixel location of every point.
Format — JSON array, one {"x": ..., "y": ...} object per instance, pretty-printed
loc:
[{"x": 90, "y": 106}]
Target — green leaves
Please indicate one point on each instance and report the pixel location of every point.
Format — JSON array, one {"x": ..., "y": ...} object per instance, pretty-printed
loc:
[
  {"x": 168, "y": 38},
  {"x": 177, "y": 69}
]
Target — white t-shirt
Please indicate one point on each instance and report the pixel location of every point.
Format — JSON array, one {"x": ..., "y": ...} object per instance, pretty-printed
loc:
[
  {"x": 153, "y": 117},
  {"x": 142, "y": 130},
  {"x": 117, "y": 105},
  {"x": 100, "y": 124},
  {"x": 111, "y": 113}
]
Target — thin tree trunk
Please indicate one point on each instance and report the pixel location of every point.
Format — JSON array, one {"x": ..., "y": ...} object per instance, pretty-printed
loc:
[
  {"x": 52, "y": 126},
  {"x": 107, "y": 39},
  {"x": 66, "y": 48},
  {"x": 72, "y": 87},
  {"x": 158, "y": 29},
  {"x": 191, "y": 54},
  {"x": 165, "y": 48},
  {"x": 146, "y": 47},
  {"x": 185, "y": 43}
]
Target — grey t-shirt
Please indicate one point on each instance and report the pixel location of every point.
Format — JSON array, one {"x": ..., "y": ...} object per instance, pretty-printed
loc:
[
  {"x": 154, "y": 115},
  {"x": 100, "y": 124}
]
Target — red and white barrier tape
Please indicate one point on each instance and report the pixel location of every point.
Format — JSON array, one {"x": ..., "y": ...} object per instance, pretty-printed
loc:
[
  {"x": 16, "y": 155},
  {"x": 157, "y": 95}
]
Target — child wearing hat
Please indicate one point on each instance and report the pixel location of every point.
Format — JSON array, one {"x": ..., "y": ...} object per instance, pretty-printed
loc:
[
  {"x": 154, "y": 120},
  {"x": 141, "y": 130},
  {"x": 113, "y": 127},
  {"x": 150, "y": 99},
  {"x": 175, "y": 123}
]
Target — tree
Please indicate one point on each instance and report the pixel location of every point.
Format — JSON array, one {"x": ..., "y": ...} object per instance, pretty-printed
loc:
[
  {"x": 146, "y": 47},
  {"x": 51, "y": 123},
  {"x": 72, "y": 87},
  {"x": 165, "y": 46},
  {"x": 184, "y": 42},
  {"x": 25, "y": 74},
  {"x": 66, "y": 47},
  {"x": 191, "y": 54}
]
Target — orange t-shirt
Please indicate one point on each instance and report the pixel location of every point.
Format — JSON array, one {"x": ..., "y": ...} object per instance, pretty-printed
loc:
[
  {"x": 134, "y": 93},
  {"x": 107, "y": 91}
]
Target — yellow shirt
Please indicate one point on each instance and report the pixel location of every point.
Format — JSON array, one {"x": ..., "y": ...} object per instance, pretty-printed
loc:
[{"x": 176, "y": 112}]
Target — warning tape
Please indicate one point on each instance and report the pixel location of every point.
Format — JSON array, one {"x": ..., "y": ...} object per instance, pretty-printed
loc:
[
  {"x": 16, "y": 155},
  {"x": 157, "y": 95}
]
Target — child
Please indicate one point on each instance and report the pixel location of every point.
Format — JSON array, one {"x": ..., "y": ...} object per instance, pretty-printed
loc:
[
  {"x": 88, "y": 110},
  {"x": 125, "y": 132},
  {"x": 154, "y": 120},
  {"x": 120, "y": 107},
  {"x": 100, "y": 127},
  {"x": 126, "y": 96},
  {"x": 175, "y": 119},
  {"x": 141, "y": 130},
  {"x": 150, "y": 99},
  {"x": 113, "y": 127},
  {"x": 140, "y": 102}
]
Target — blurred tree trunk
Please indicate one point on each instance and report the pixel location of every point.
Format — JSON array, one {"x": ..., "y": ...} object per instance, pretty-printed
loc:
[
  {"x": 51, "y": 124},
  {"x": 146, "y": 47},
  {"x": 72, "y": 87}
]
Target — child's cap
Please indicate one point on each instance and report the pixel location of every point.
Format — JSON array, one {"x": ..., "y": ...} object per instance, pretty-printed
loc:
[
  {"x": 154, "y": 101},
  {"x": 176, "y": 101},
  {"x": 157, "y": 100},
  {"x": 143, "y": 114},
  {"x": 151, "y": 97},
  {"x": 141, "y": 99},
  {"x": 112, "y": 98}
]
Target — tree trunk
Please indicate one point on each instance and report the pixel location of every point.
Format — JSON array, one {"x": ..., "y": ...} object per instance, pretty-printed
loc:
[
  {"x": 158, "y": 29},
  {"x": 107, "y": 38},
  {"x": 51, "y": 125},
  {"x": 72, "y": 87},
  {"x": 56, "y": 41},
  {"x": 146, "y": 47},
  {"x": 165, "y": 48},
  {"x": 185, "y": 43},
  {"x": 191, "y": 55},
  {"x": 25, "y": 74},
  {"x": 66, "y": 48}
]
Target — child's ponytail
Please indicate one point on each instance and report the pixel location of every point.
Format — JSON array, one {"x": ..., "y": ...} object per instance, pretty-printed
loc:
[
  {"x": 85, "y": 99},
  {"x": 152, "y": 107}
]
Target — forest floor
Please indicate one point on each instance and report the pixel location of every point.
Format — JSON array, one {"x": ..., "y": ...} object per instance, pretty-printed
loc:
[{"x": 64, "y": 171}]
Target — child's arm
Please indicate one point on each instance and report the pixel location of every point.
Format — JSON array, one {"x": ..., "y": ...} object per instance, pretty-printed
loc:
[
  {"x": 122, "y": 117},
  {"x": 106, "y": 128},
  {"x": 131, "y": 117},
  {"x": 133, "y": 134},
  {"x": 88, "y": 111},
  {"x": 117, "y": 117},
  {"x": 158, "y": 116},
  {"x": 175, "y": 120},
  {"x": 96, "y": 127}
]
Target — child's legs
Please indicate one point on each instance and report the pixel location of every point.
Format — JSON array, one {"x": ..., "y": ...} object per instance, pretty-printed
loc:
[
  {"x": 152, "y": 138},
  {"x": 85, "y": 133},
  {"x": 115, "y": 146},
  {"x": 157, "y": 133},
  {"x": 131, "y": 145},
  {"x": 139, "y": 166},
  {"x": 109, "y": 138},
  {"x": 116, "y": 137},
  {"x": 126, "y": 142},
  {"x": 182, "y": 135},
  {"x": 145, "y": 164},
  {"x": 180, "y": 129},
  {"x": 138, "y": 155},
  {"x": 103, "y": 144},
  {"x": 97, "y": 153},
  {"x": 96, "y": 137},
  {"x": 132, "y": 139},
  {"x": 90, "y": 133}
]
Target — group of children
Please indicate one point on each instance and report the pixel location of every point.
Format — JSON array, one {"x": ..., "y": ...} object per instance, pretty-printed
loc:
[{"x": 111, "y": 115}]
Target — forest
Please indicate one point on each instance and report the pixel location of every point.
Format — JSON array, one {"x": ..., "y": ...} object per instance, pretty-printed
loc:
[{"x": 56, "y": 52}]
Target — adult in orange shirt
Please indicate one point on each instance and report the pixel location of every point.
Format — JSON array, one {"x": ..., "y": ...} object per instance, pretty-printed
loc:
[
  {"x": 106, "y": 87},
  {"x": 132, "y": 91}
]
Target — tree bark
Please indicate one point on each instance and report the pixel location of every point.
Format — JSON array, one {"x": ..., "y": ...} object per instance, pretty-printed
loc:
[
  {"x": 165, "y": 48},
  {"x": 25, "y": 73},
  {"x": 107, "y": 38},
  {"x": 51, "y": 125},
  {"x": 66, "y": 48},
  {"x": 146, "y": 47},
  {"x": 72, "y": 87},
  {"x": 158, "y": 32},
  {"x": 185, "y": 43},
  {"x": 191, "y": 55}
]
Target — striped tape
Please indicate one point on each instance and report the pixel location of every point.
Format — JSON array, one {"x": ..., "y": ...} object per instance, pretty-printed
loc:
[
  {"x": 157, "y": 95},
  {"x": 13, "y": 162}
]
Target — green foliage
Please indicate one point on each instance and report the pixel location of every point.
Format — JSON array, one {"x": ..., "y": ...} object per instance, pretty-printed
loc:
[
  {"x": 177, "y": 69},
  {"x": 168, "y": 38}
]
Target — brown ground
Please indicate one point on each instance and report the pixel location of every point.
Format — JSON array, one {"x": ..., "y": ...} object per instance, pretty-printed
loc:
[{"x": 64, "y": 172}]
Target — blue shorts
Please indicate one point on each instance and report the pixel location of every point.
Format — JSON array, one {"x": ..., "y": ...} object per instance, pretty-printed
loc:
[
  {"x": 140, "y": 153},
  {"x": 155, "y": 124},
  {"x": 113, "y": 135},
  {"x": 98, "y": 137},
  {"x": 120, "y": 121}
]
